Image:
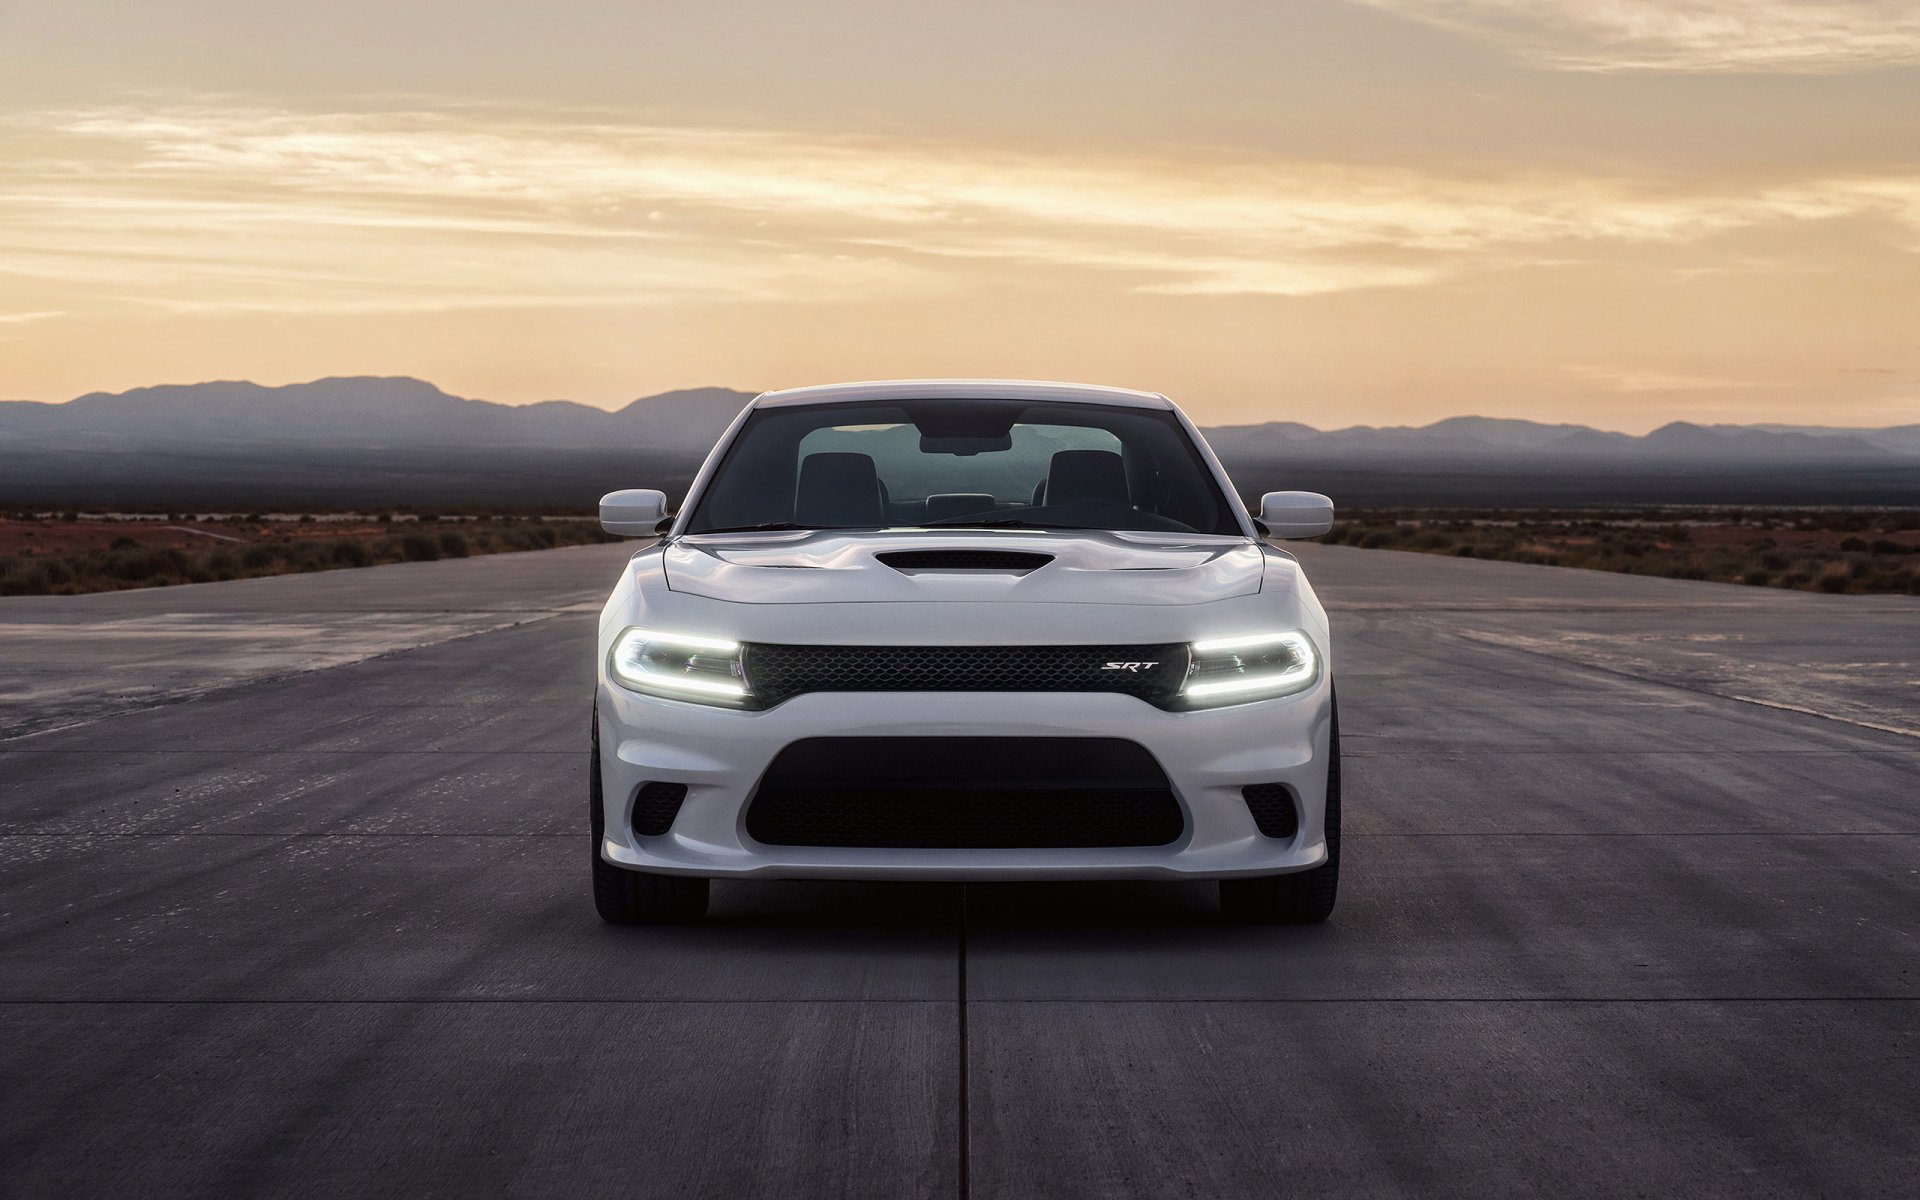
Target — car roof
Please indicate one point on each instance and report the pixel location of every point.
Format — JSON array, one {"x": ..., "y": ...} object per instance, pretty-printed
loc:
[{"x": 963, "y": 389}]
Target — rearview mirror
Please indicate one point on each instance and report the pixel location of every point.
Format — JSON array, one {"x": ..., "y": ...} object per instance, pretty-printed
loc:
[
  {"x": 965, "y": 446},
  {"x": 636, "y": 512},
  {"x": 1296, "y": 514}
]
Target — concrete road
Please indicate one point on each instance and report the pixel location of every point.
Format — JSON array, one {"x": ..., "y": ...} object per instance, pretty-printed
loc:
[
  {"x": 76, "y": 658},
  {"x": 1631, "y": 906}
]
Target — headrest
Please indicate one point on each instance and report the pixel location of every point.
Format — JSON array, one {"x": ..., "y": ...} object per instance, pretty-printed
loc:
[
  {"x": 958, "y": 504},
  {"x": 1087, "y": 477},
  {"x": 837, "y": 489}
]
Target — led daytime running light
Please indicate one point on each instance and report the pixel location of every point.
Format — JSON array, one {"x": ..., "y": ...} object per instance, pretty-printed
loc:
[
  {"x": 1220, "y": 674},
  {"x": 631, "y": 664},
  {"x": 1246, "y": 643}
]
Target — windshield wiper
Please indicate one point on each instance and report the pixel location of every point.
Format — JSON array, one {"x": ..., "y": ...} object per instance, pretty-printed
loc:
[
  {"x": 996, "y": 523},
  {"x": 768, "y": 526}
]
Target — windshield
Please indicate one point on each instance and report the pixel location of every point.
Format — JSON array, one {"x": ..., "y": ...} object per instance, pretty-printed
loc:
[{"x": 963, "y": 463}]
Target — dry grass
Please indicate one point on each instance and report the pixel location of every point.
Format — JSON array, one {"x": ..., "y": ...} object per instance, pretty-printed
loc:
[
  {"x": 1812, "y": 551},
  {"x": 68, "y": 555}
]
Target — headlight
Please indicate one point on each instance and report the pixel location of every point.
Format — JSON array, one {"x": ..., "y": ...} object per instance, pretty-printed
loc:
[
  {"x": 683, "y": 666},
  {"x": 1257, "y": 667}
]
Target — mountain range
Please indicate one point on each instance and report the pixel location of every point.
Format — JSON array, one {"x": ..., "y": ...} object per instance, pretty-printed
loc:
[
  {"x": 401, "y": 440},
  {"x": 1505, "y": 437},
  {"x": 363, "y": 411}
]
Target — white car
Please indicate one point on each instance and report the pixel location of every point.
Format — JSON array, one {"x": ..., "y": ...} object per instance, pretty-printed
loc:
[{"x": 964, "y": 630}]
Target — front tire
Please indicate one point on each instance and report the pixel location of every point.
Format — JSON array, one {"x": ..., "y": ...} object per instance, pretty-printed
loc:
[
  {"x": 1302, "y": 897},
  {"x": 625, "y": 897}
]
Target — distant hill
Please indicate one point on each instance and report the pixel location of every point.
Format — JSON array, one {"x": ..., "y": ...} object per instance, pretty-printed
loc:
[
  {"x": 1515, "y": 440},
  {"x": 1899, "y": 437},
  {"x": 1490, "y": 462},
  {"x": 366, "y": 411},
  {"x": 381, "y": 440}
]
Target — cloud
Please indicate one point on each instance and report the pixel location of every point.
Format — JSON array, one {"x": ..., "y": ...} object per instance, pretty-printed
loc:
[
  {"x": 206, "y": 206},
  {"x": 1614, "y": 379},
  {"x": 1804, "y": 36}
]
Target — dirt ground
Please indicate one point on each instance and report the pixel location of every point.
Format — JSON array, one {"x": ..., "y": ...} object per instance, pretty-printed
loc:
[{"x": 59, "y": 536}]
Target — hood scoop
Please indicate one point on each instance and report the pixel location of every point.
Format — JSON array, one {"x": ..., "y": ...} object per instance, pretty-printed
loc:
[
  {"x": 1006, "y": 562},
  {"x": 887, "y": 566}
]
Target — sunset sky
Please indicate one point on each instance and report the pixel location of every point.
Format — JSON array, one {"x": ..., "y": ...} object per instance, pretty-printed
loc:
[{"x": 1332, "y": 211}]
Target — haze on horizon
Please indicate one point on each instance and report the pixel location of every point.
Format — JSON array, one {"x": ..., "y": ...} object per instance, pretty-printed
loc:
[{"x": 1336, "y": 211}]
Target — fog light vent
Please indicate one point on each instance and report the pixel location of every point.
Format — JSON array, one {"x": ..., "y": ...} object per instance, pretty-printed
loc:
[
  {"x": 655, "y": 806},
  {"x": 1273, "y": 809}
]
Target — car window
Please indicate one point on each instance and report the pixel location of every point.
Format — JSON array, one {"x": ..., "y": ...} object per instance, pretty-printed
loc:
[{"x": 937, "y": 463}]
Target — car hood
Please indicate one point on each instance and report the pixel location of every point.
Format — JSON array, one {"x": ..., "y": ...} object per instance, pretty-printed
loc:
[{"x": 1082, "y": 567}]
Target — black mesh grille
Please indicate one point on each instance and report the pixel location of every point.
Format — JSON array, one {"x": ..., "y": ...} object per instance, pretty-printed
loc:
[
  {"x": 965, "y": 560},
  {"x": 964, "y": 793},
  {"x": 1151, "y": 673},
  {"x": 1273, "y": 809},
  {"x": 655, "y": 806}
]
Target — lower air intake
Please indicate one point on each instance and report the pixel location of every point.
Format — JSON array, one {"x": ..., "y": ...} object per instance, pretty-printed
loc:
[
  {"x": 1273, "y": 809},
  {"x": 655, "y": 806},
  {"x": 965, "y": 793}
]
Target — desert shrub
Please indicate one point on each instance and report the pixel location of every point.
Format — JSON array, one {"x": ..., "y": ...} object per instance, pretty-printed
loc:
[
  {"x": 1757, "y": 578},
  {"x": 143, "y": 566},
  {"x": 24, "y": 579},
  {"x": 123, "y": 543},
  {"x": 1464, "y": 550},
  {"x": 418, "y": 547},
  {"x": 351, "y": 553},
  {"x": 1853, "y": 545},
  {"x": 453, "y": 545},
  {"x": 1889, "y": 546}
]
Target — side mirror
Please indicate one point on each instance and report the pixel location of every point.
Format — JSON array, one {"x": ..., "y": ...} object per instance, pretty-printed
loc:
[
  {"x": 635, "y": 512},
  {"x": 1296, "y": 514}
]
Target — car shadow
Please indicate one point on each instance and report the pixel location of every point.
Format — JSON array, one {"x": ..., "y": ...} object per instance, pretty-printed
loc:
[{"x": 1085, "y": 905}]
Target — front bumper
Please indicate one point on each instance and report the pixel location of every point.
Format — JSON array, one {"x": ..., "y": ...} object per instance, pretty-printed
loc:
[{"x": 721, "y": 754}]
